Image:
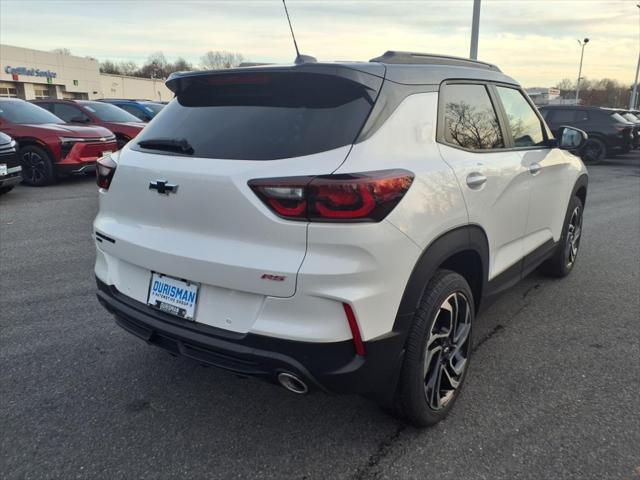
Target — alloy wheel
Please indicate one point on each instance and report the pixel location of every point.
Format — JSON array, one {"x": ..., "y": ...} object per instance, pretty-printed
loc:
[
  {"x": 574, "y": 233},
  {"x": 593, "y": 151},
  {"x": 33, "y": 167},
  {"x": 447, "y": 350}
]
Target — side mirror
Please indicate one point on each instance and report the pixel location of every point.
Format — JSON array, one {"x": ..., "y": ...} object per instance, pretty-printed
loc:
[
  {"x": 80, "y": 119},
  {"x": 570, "y": 138}
]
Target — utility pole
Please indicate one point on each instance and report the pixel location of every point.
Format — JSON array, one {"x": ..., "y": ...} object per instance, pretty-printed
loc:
[
  {"x": 584, "y": 44},
  {"x": 475, "y": 28},
  {"x": 634, "y": 93}
]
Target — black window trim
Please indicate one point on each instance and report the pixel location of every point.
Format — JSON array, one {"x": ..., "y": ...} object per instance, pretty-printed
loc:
[{"x": 500, "y": 113}]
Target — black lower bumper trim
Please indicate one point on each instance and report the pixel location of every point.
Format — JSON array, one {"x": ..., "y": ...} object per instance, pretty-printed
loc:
[
  {"x": 331, "y": 367},
  {"x": 10, "y": 179}
]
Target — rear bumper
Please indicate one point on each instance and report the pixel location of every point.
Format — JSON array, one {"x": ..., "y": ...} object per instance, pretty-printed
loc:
[{"x": 332, "y": 367}]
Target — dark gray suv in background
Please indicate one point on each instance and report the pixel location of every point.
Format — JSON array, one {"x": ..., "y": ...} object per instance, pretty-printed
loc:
[{"x": 609, "y": 132}]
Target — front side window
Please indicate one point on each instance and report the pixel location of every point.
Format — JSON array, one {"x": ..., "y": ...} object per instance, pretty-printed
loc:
[
  {"x": 470, "y": 121},
  {"x": 21, "y": 112},
  {"x": 582, "y": 116},
  {"x": 524, "y": 124},
  {"x": 69, "y": 113}
]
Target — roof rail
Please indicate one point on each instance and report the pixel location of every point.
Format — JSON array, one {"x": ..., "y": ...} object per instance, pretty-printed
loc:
[{"x": 414, "y": 58}]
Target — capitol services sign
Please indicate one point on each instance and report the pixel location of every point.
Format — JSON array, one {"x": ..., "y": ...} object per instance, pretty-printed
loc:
[{"x": 29, "y": 72}]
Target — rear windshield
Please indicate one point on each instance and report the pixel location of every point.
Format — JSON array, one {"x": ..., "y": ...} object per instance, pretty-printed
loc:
[
  {"x": 109, "y": 113},
  {"x": 21, "y": 112},
  {"x": 262, "y": 116}
]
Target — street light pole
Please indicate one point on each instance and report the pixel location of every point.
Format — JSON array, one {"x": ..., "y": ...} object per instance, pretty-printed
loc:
[
  {"x": 634, "y": 93},
  {"x": 475, "y": 28},
  {"x": 583, "y": 44}
]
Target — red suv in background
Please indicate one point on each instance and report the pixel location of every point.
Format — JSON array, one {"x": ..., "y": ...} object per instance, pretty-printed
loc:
[
  {"x": 124, "y": 125},
  {"x": 48, "y": 146}
]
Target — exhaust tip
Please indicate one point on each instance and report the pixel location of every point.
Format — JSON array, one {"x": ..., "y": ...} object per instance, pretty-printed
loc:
[{"x": 293, "y": 383}]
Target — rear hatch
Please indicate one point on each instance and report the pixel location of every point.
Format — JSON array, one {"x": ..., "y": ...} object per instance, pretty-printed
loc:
[{"x": 222, "y": 130}]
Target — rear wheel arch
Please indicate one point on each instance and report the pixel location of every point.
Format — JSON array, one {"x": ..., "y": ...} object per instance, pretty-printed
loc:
[{"x": 464, "y": 250}]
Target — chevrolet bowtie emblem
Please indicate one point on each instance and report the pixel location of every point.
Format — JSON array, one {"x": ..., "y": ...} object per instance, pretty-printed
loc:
[{"x": 162, "y": 186}]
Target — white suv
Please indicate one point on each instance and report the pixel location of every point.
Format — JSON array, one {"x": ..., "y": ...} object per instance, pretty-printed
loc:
[{"x": 336, "y": 226}]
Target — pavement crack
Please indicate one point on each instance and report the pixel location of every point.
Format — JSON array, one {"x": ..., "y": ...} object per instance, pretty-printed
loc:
[
  {"x": 382, "y": 451},
  {"x": 530, "y": 289},
  {"x": 488, "y": 336}
]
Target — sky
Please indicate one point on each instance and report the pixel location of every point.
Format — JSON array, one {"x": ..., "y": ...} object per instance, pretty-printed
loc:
[{"x": 533, "y": 41}]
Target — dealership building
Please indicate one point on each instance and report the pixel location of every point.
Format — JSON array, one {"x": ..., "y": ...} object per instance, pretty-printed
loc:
[{"x": 35, "y": 74}]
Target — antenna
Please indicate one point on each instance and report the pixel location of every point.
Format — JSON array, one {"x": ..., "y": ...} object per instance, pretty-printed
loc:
[
  {"x": 299, "y": 58},
  {"x": 295, "y": 44}
]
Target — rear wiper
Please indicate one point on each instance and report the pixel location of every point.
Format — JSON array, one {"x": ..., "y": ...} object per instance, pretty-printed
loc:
[{"x": 168, "y": 144}]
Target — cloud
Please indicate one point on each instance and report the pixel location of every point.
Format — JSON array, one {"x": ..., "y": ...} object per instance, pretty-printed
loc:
[{"x": 535, "y": 41}]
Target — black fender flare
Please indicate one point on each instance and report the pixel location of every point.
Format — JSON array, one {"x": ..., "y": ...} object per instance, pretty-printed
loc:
[
  {"x": 465, "y": 238},
  {"x": 581, "y": 182},
  {"x": 457, "y": 240}
]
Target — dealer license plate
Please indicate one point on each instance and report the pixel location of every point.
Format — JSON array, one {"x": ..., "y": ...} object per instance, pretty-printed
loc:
[
  {"x": 173, "y": 296},
  {"x": 3, "y": 169}
]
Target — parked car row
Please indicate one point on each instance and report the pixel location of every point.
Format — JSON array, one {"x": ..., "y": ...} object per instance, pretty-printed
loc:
[
  {"x": 54, "y": 138},
  {"x": 611, "y": 131}
]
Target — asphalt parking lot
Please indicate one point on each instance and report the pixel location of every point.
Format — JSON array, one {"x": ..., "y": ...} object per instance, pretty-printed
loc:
[{"x": 553, "y": 391}]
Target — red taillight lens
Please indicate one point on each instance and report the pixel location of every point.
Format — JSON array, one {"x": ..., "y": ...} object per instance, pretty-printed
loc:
[
  {"x": 355, "y": 197},
  {"x": 105, "y": 168}
]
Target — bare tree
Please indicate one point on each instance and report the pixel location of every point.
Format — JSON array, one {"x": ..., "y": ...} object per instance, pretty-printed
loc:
[
  {"x": 217, "y": 60},
  {"x": 128, "y": 68},
  {"x": 109, "y": 67},
  {"x": 180, "y": 65},
  {"x": 61, "y": 51}
]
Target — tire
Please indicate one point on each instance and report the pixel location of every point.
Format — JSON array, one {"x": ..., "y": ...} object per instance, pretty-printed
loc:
[
  {"x": 594, "y": 151},
  {"x": 564, "y": 258},
  {"x": 37, "y": 167},
  {"x": 4, "y": 190},
  {"x": 447, "y": 342}
]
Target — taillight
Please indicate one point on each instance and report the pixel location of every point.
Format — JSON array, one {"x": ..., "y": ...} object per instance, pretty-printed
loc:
[
  {"x": 354, "y": 197},
  {"x": 105, "y": 168}
]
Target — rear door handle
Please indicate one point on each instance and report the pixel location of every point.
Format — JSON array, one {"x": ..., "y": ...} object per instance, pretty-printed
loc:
[
  {"x": 534, "y": 168},
  {"x": 476, "y": 180}
]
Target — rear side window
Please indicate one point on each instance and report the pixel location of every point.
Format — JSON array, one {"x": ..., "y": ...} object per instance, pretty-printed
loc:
[
  {"x": 262, "y": 116},
  {"x": 524, "y": 124},
  {"x": 562, "y": 116},
  {"x": 136, "y": 112},
  {"x": 470, "y": 121}
]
